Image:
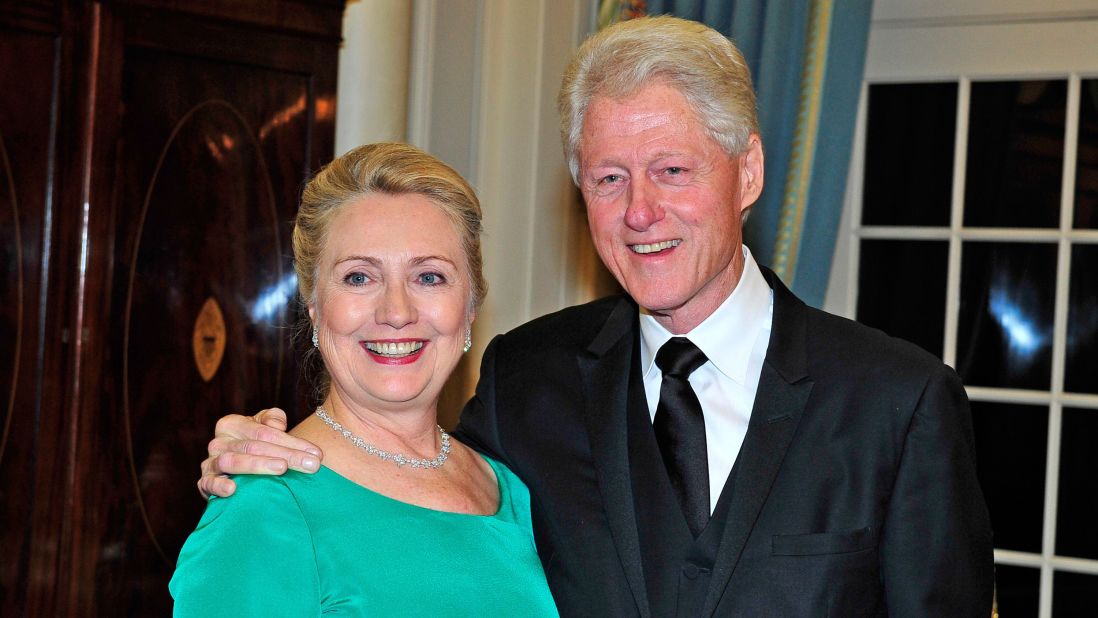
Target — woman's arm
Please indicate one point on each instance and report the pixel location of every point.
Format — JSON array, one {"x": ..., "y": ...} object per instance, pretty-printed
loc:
[{"x": 249, "y": 556}]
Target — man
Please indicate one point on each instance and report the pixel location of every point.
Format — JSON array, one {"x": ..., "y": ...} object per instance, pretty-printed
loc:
[{"x": 707, "y": 444}]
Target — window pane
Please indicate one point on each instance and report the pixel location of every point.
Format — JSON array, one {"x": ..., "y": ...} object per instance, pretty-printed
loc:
[
  {"x": 909, "y": 154},
  {"x": 1081, "y": 369},
  {"x": 1074, "y": 595},
  {"x": 902, "y": 289},
  {"x": 1011, "y": 442},
  {"x": 1004, "y": 335},
  {"x": 1017, "y": 591},
  {"x": 1015, "y": 154},
  {"x": 1086, "y": 166},
  {"x": 1077, "y": 511}
]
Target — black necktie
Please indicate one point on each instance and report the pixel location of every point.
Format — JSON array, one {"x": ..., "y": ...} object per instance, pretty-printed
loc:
[{"x": 680, "y": 430}]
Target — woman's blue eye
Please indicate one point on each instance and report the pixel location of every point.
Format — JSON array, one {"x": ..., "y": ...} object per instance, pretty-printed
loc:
[
  {"x": 357, "y": 279},
  {"x": 431, "y": 278}
]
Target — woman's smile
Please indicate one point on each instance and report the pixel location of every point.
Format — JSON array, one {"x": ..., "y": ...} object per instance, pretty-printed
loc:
[{"x": 395, "y": 351}]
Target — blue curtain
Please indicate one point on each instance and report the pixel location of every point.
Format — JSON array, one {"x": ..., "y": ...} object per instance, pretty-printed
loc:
[{"x": 806, "y": 58}]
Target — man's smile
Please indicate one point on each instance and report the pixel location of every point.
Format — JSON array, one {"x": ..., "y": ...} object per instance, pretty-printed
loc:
[{"x": 655, "y": 247}]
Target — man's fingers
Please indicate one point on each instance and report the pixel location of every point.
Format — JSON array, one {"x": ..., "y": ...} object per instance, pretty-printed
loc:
[
  {"x": 235, "y": 428},
  {"x": 222, "y": 486},
  {"x": 253, "y": 445},
  {"x": 237, "y": 463},
  {"x": 266, "y": 436},
  {"x": 272, "y": 417},
  {"x": 256, "y": 457}
]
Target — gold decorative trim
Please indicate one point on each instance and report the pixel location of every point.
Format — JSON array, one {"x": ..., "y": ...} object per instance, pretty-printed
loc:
[
  {"x": 5, "y": 168},
  {"x": 799, "y": 176}
]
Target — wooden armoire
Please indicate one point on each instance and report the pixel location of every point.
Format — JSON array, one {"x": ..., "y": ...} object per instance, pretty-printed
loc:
[{"x": 152, "y": 154}]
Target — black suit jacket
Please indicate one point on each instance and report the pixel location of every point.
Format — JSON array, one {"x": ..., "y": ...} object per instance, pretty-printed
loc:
[{"x": 855, "y": 494}]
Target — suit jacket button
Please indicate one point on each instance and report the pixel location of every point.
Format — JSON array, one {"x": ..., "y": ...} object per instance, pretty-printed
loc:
[{"x": 690, "y": 571}]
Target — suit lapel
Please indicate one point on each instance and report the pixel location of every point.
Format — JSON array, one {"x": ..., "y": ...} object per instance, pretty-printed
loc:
[
  {"x": 605, "y": 367},
  {"x": 783, "y": 391}
]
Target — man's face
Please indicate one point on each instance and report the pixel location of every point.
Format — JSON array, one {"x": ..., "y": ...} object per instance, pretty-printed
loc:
[{"x": 665, "y": 202}]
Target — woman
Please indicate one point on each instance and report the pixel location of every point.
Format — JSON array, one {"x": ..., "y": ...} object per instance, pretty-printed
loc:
[{"x": 400, "y": 519}]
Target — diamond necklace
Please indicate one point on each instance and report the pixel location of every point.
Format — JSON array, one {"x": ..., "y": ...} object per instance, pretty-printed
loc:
[{"x": 398, "y": 458}]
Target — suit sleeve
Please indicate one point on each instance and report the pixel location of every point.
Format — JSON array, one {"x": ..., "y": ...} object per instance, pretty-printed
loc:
[
  {"x": 251, "y": 555},
  {"x": 936, "y": 551},
  {"x": 478, "y": 426}
]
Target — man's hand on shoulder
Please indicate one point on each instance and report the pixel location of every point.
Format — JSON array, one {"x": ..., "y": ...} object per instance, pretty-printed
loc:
[{"x": 253, "y": 445}]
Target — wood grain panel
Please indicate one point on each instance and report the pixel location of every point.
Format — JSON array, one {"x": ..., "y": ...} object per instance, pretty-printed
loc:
[{"x": 27, "y": 65}]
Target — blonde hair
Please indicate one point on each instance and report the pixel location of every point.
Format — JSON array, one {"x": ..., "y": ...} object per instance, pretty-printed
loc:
[{"x": 699, "y": 62}]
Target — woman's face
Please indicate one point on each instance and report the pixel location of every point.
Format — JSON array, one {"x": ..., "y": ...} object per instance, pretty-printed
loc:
[{"x": 392, "y": 301}]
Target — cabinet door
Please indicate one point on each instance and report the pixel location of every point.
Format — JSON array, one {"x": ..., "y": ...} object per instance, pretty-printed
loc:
[
  {"x": 31, "y": 460},
  {"x": 191, "y": 295}
]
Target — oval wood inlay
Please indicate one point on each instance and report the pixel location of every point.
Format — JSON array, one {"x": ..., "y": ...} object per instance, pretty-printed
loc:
[
  {"x": 208, "y": 229},
  {"x": 208, "y": 341},
  {"x": 11, "y": 289}
]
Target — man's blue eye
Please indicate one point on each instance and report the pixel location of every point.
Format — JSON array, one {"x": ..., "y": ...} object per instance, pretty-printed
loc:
[{"x": 675, "y": 171}]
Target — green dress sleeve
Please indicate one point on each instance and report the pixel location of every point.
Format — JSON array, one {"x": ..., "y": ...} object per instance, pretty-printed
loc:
[{"x": 251, "y": 555}]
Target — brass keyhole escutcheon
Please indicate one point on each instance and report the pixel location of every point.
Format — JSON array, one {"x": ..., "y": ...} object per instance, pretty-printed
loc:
[{"x": 208, "y": 341}]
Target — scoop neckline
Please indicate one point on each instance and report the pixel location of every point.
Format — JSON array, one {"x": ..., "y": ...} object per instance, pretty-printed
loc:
[{"x": 502, "y": 488}]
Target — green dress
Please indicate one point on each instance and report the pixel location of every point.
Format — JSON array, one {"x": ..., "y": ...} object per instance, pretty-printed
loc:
[{"x": 303, "y": 545}]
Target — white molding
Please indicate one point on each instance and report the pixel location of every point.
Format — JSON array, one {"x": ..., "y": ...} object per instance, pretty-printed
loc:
[
  {"x": 956, "y": 220},
  {"x": 1059, "y": 563},
  {"x": 1031, "y": 397},
  {"x": 535, "y": 167},
  {"x": 421, "y": 69},
  {"x": 842, "y": 282},
  {"x": 503, "y": 157},
  {"x": 907, "y": 13},
  {"x": 1003, "y": 51},
  {"x": 477, "y": 112},
  {"x": 570, "y": 289},
  {"x": 986, "y": 20},
  {"x": 522, "y": 179},
  {"x": 984, "y": 234}
]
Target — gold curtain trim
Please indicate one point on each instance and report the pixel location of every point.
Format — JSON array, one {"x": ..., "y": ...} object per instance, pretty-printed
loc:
[{"x": 803, "y": 152}]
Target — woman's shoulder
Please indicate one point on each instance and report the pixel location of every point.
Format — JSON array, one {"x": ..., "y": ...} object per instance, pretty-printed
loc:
[
  {"x": 255, "y": 488},
  {"x": 503, "y": 473},
  {"x": 514, "y": 497},
  {"x": 259, "y": 498},
  {"x": 259, "y": 529}
]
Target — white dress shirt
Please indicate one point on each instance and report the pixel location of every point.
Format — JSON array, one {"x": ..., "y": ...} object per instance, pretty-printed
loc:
[{"x": 734, "y": 338}]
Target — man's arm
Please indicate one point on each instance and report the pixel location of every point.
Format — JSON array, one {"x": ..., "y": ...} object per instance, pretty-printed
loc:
[
  {"x": 936, "y": 553},
  {"x": 253, "y": 445}
]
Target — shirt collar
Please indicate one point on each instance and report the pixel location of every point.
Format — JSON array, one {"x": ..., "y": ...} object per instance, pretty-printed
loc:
[{"x": 721, "y": 335}]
